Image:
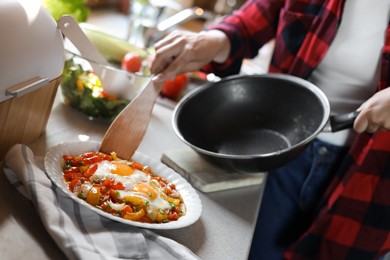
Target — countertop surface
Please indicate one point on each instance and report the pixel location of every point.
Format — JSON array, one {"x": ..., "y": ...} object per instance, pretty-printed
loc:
[{"x": 224, "y": 230}]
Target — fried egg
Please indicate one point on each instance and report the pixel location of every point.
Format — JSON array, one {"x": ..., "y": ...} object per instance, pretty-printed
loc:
[
  {"x": 105, "y": 171},
  {"x": 137, "y": 184}
]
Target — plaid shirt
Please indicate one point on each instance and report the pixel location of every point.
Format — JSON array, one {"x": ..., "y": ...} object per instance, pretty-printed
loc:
[{"x": 354, "y": 218}]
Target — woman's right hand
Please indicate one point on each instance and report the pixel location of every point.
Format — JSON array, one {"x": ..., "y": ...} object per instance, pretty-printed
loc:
[
  {"x": 183, "y": 51},
  {"x": 374, "y": 113}
]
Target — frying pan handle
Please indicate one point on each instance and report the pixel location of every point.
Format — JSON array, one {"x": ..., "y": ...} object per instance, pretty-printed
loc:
[{"x": 343, "y": 121}]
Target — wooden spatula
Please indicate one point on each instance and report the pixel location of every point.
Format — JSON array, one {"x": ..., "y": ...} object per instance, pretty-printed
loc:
[
  {"x": 128, "y": 129},
  {"x": 71, "y": 29}
]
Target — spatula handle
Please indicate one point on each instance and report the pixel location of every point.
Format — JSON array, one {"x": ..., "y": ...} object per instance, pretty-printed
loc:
[{"x": 71, "y": 29}]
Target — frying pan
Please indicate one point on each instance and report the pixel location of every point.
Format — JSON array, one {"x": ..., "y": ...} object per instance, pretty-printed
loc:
[{"x": 254, "y": 123}]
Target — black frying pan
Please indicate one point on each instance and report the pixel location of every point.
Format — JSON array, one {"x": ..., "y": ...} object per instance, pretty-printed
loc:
[{"x": 254, "y": 123}]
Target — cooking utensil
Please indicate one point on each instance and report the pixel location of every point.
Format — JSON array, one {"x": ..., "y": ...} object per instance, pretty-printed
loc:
[
  {"x": 253, "y": 123},
  {"x": 111, "y": 47},
  {"x": 127, "y": 130},
  {"x": 71, "y": 29}
]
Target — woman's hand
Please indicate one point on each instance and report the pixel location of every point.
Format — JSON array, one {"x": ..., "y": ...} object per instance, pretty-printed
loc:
[
  {"x": 183, "y": 51},
  {"x": 374, "y": 113}
]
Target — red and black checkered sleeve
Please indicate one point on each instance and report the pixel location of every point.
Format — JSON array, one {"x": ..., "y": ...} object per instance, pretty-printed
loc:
[{"x": 248, "y": 29}]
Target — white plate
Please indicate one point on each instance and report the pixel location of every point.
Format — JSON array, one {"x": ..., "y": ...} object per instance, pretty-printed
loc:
[{"x": 53, "y": 166}]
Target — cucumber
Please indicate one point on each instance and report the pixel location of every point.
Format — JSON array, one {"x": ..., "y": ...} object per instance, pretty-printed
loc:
[{"x": 111, "y": 47}]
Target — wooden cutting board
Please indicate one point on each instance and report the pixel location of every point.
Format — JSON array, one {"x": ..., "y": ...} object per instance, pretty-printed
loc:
[{"x": 205, "y": 176}]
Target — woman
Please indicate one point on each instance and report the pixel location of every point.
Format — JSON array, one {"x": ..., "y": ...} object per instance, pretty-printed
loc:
[{"x": 332, "y": 202}]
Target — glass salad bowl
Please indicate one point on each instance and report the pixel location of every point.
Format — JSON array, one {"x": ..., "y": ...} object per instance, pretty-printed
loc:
[{"x": 96, "y": 90}]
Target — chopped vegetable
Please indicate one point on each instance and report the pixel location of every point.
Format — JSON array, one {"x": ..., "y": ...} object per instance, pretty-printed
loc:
[
  {"x": 83, "y": 91},
  {"x": 138, "y": 194}
]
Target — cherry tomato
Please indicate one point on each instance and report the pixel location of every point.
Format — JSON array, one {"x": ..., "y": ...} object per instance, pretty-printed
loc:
[
  {"x": 131, "y": 62},
  {"x": 173, "y": 89},
  {"x": 93, "y": 196}
]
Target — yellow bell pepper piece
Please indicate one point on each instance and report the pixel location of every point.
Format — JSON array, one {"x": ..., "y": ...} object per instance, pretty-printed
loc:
[{"x": 135, "y": 216}]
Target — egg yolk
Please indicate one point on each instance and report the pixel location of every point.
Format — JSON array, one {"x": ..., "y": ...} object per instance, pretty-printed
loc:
[
  {"x": 146, "y": 189},
  {"x": 121, "y": 169}
]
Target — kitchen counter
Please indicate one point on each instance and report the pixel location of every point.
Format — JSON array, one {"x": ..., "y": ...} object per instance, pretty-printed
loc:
[{"x": 224, "y": 230}]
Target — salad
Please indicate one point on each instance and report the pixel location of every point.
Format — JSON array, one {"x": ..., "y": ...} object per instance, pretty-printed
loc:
[{"x": 82, "y": 90}]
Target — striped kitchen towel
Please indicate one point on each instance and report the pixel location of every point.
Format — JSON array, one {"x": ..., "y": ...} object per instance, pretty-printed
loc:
[{"x": 79, "y": 232}]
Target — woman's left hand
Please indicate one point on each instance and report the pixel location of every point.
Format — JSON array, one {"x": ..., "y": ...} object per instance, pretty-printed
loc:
[{"x": 374, "y": 113}]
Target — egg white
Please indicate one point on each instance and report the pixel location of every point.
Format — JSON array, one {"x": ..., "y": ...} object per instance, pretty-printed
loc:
[{"x": 104, "y": 172}]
